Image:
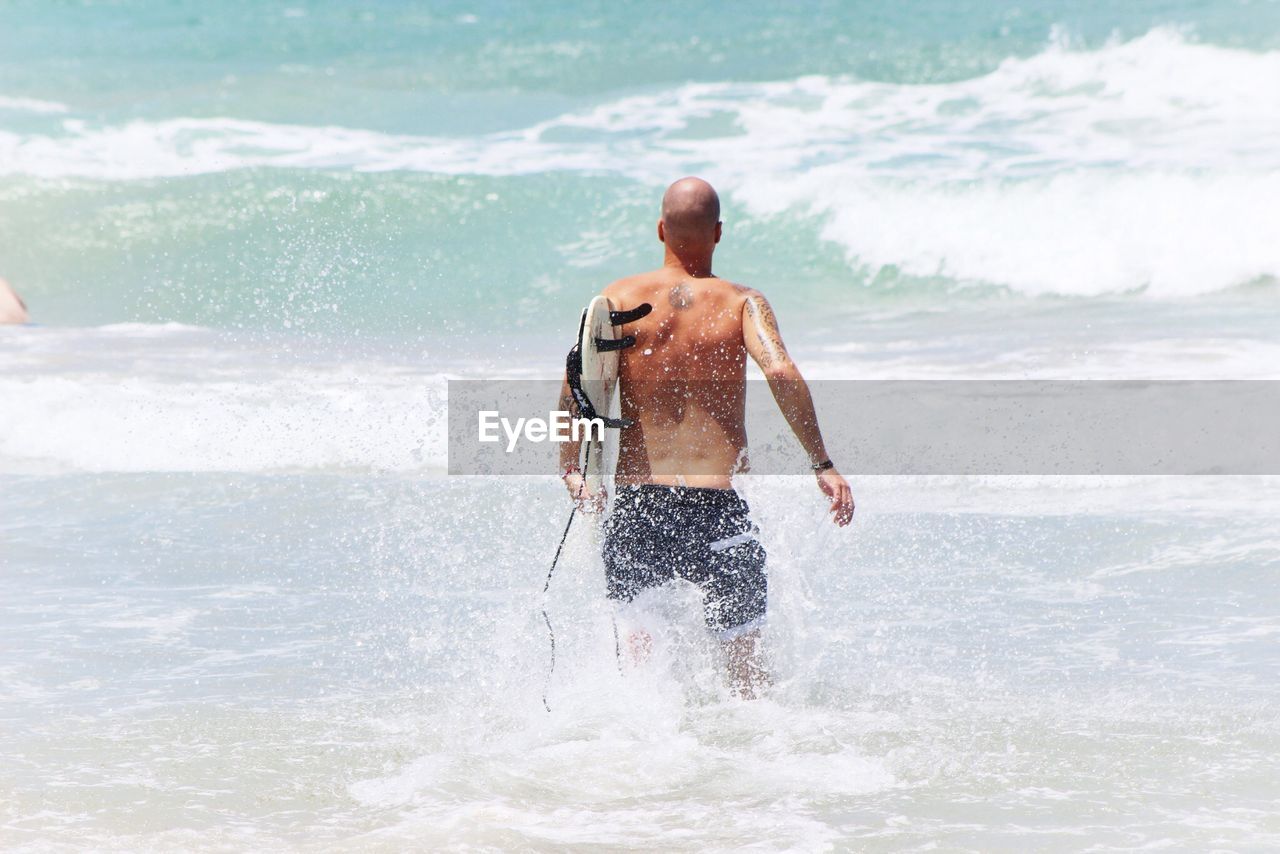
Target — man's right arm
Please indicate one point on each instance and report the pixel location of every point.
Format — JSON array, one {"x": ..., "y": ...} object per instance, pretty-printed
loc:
[
  {"x": 763, "y": 341},
  {"x": 570, "y": 473}
]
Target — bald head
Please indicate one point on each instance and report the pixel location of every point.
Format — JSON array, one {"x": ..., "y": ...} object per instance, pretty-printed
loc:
[{"x": 691, "y": 210}]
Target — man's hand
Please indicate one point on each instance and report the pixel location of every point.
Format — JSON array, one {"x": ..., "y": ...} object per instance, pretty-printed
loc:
[
  {"x": 583, "y": 498},
  {"x": 835, "y": 487}
]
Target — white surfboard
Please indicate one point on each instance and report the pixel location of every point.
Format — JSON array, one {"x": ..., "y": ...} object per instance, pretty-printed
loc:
[{"x": 599, "y": 381}]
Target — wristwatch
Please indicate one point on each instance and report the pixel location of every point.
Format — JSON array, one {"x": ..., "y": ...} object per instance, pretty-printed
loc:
[{"x": 823, "y": 466}]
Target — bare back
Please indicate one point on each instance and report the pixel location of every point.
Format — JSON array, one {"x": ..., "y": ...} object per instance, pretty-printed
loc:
[{"x": 684, "y": 382}]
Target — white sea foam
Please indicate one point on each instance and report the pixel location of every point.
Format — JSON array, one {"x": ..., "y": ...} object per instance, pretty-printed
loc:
[
  {"x": 121, "y": 398},
  {"x": 149, "y": 330},
  {"x": 31, "y": 105},
  {"x": 1145, "y": 165},
  {"x": 1171, "y": 357},
  {"x": 1082, "y": 234},
  {"x": 295, "y": 419},
  {"x": 1157, "y": 102}
]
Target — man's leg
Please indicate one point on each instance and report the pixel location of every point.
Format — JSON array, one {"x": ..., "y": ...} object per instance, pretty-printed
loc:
[
  {"x": 636, "y": 546},
  {"x": 639, "y": 647},
  {"x": 748, "y": 676},
  {"x": 737, "y": 594}
]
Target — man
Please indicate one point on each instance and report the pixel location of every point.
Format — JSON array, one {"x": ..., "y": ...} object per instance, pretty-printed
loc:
[
  {"x": 12, "y": 308},
  {"x": 676, "y": 514}
]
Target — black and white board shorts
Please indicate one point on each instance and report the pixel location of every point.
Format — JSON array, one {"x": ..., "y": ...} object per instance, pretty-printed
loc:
[{"x": 656, "y": 534}]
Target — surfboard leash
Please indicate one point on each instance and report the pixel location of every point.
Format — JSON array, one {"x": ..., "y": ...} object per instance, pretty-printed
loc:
[
  {"x": 546, "y": 618},
  {"x": 587, "y": 410},
  {"x": 551, "y": 633}
]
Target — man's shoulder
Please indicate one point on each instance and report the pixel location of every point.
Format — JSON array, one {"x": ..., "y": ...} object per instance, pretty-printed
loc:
[
  {"x": 624, "y": 283},
  {"x": 644, "y": 283},
  {"x": 742, "y": 290},
  {"x": 629, "y": 286},
  {"x": 742, "y": 293}
]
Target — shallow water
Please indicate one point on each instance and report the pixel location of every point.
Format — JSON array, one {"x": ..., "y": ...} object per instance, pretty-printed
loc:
[{"x": 303, "y": 660}]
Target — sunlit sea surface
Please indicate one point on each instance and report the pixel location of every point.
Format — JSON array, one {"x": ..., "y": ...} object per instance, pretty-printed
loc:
[{"x": 245, "y": 608}]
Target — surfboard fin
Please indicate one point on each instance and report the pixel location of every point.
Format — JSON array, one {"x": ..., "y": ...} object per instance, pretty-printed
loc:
[
  {"x": 616, "y": 423},
  {"x": 608, "y": 345},
  {"x": 618, "y": 318},
  {"x": 587, "y": 409}
]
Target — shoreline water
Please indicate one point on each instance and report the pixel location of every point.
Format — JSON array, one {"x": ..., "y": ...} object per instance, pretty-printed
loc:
[
  {"x": 310, "y": 684},
  {"x": 245, "y": 606}
]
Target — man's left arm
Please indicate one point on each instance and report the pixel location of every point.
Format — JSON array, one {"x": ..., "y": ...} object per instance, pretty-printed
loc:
[{"x": 763, "y": 341}]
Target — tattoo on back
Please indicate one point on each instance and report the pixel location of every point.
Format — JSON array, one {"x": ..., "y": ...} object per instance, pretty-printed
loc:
[{"x": 680, "y": 297}]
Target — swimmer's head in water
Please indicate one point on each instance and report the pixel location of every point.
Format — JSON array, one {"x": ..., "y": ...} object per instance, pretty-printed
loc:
[{"x": 690, "y": 214}]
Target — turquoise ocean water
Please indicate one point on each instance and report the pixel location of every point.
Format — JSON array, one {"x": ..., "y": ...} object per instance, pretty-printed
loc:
[{"x": 246, "y": 608}]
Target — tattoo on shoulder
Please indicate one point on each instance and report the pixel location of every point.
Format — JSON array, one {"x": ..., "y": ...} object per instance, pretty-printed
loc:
[
  {"x": 772, "y": 350},
  {"x": 762, "y": 313},
  {"x": 680, "y": 297}
]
